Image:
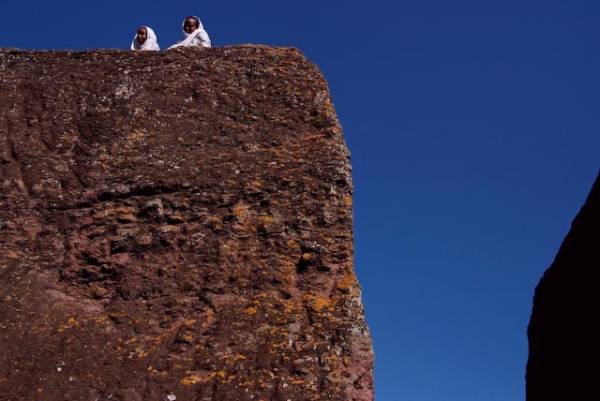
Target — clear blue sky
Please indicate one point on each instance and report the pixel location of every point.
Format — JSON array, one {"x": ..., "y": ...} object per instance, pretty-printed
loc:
[{"x": 475, "y": 136}]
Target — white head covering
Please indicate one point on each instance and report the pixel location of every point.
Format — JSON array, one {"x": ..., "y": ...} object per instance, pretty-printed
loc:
[
  {"x": 198, "y": 38},
  {"x": 151, "y": 42}
]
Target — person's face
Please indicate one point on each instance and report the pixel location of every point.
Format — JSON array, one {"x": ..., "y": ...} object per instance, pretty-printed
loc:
[
  {"x": 190, "y": 25},
  {"x": 142, "y": 35}
]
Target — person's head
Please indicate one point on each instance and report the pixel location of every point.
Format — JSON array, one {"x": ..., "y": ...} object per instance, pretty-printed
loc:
[
  {"x": 142, "y": 34},
  {"x": 190, "y": 24}
]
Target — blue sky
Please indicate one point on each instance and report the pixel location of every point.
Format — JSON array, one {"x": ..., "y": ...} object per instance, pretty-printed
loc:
[{"x": 474, "y": 132}]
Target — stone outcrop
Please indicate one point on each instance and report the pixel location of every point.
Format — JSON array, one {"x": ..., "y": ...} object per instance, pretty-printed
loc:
[
  {"x": 176, "y": 225},
  {"x": 564, "y": 333}
]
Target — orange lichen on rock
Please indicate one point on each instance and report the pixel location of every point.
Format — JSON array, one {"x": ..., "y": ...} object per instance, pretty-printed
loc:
[
  {"x": 320, "y": 303},
  {"x": 186, "y": 230},
  {"x": 197, "y": 378},
  {"x": 71, "y": 322},
  {"x": 250, "y": 310},
  {"x": 347, "y": 282}
]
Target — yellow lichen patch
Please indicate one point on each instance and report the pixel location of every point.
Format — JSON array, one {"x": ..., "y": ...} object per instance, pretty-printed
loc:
[
  {"x": 117, "y": 315},
  {"x": 279, "y": 346},
  {"x": 190, "y": 380},
  {"x": 228, "y": 378},
  {"x": 221, "y": 373},
  {"x": 141, "y": 353},
  {"x": 135, "y": 136},
  {"x": 158, "y": 339},
  {"x": 138, "y": 352},
  {"x": 265, "y": 219},
  {"x": 346, "y": 283},
  {"x": 240, "y": 211},
  {"x": 156, "y": 372},
  {"x": 319, "y": 303},
  {"x": 329, "y": 358},
  {"x": 250, "y": 310},
  {"x": 348, "y": 200},
  {"x": 71, "y": 322},
  {"x": 293, "y": 244},
  {"x": 196, "y": 378},
  {"x": 188, "y": 337}
]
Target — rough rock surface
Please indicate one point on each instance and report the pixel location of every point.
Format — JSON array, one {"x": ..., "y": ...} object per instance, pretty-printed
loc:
[
  {"x": 564, "y": 332},
  {"x": 176, "y": 226}
]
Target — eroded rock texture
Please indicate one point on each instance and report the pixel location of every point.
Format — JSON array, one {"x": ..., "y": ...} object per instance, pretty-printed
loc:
[
  {"x": 175, "y": 225},
  {"x": 564, "y": 332}
]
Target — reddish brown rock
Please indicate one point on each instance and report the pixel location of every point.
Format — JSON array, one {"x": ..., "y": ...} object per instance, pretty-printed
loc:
[
  {"x": 176, "y": 224},
  {"x": 564, "y": 331}
]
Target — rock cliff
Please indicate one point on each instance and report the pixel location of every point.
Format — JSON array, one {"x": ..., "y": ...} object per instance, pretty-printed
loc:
[
  {"x": 176, "y": 226},
  {"x": 564, "y": 332}
]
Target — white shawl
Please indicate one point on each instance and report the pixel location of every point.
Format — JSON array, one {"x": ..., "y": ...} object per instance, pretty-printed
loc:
[
  {"x": 151, "y": 42},
  {"x": 198, "y": 38}
]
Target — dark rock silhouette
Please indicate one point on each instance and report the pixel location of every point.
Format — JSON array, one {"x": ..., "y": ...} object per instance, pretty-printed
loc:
[
  {"x": 176, "y": 226},
  {"x": 564, "y": 334}
]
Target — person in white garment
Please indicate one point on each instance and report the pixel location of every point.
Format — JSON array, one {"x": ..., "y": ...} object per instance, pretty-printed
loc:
[
  {"x": 145, "y": 39},
  {"x": 195, "y": 35}
]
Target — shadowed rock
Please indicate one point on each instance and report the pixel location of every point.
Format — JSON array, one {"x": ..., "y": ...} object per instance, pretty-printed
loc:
[
  {"x": 564, "y": 334},
  {"x": 176, "y": 224}
]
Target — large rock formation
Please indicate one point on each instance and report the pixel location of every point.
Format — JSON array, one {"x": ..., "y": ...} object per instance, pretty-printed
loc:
[
  {"x": 564, "y": 332},
  {"x": 175, "y": 226}
]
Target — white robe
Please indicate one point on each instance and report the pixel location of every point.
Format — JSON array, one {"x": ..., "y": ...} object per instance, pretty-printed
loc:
[
  {"x": 198, "y": 38},
  {"x": 151, "y": 42}
]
